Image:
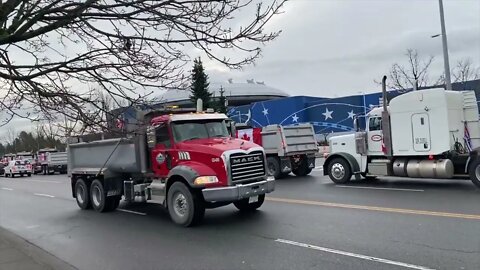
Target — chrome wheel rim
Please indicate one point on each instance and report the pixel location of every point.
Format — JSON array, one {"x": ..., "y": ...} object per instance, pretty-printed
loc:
[
  {"x": 180, "y": 205},
  {"x": 338, "y": 171},
  {"x": 97, "y": 193},
  {"x": 80, "y": 194}
]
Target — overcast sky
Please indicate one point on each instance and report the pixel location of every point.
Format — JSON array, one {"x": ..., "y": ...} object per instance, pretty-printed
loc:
[{"x": 338, "y": 47}]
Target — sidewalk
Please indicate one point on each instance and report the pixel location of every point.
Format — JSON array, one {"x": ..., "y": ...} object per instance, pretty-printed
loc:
[{"x": 18, "y": 254}]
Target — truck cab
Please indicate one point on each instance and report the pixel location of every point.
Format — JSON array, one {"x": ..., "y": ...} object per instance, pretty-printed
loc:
[
  {"x": 429, "y": 133},
  {"x": 188, "y": 162}
]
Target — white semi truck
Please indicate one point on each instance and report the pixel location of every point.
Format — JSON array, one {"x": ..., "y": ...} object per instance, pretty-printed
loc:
[{"x": 421, "y": 134}]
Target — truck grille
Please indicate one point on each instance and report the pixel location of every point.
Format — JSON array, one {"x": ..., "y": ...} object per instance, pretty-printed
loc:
[{"x": 246, "y": 167}]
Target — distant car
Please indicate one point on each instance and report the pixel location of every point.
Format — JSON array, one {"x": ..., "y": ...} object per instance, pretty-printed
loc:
[{"x": 18, "y": 167}]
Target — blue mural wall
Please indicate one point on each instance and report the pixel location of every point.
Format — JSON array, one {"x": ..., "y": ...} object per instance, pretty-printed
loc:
[{"x": 327, "y": 115}]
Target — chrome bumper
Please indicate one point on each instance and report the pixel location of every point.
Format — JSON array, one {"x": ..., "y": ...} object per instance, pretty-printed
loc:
[{"x": 238, "y": 192}]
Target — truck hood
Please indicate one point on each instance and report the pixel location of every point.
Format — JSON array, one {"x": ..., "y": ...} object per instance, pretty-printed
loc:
[{"x": 216, "y": 146}]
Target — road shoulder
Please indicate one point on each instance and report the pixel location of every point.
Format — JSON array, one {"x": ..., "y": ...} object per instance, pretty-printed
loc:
[{"x": 18, "y": 253}]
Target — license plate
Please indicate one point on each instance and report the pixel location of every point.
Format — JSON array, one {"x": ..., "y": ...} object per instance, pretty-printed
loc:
[{"x": 253, "y": 199}]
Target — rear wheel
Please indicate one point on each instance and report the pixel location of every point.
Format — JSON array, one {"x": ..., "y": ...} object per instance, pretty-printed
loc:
[
  {"x": 185, "y": 207},
  {"x": 273, "y": 167},
  {"x": 29, "y": 174},
  {"x": 82, "y": 195},
  {"x": 244, "y": 206},
  {"x": 302, "y": 169},
  {"x": 474, "y": 172},
  {"x": 98, "y": 197},
  {"x": 113, "y": 203},
  {"x": 12, "y": 175},
  {"x": 339, "y": 171}
]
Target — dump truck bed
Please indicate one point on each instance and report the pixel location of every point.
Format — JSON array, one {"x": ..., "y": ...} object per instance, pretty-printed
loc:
[
  {"x": 119, "y": 155},
  {"x": 289, "y": 140}
]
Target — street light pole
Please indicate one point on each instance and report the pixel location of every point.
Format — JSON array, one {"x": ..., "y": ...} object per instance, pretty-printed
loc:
[{"x": 448, "y": 82}]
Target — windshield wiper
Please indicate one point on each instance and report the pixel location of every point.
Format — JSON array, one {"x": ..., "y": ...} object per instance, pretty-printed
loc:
[{"x": 194, "y": 138}]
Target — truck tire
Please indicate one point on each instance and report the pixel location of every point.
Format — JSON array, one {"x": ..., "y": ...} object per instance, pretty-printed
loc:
[
  {"x": 185, "y": 207},
  {"x": 82, "y": 195},
  {"x": 474, "y": 172},
  {"x": 273, "y": 167},
  {"x": 98, "y": 197},
  {"x": 302, "y": 169},
  {"x": 29, "y": 174},
  {"x": 339, "y": 171},
  {"x": 370, "y": 178},
  {"x": 244, "y": 206},
  {"x": 113, "y": 203}
]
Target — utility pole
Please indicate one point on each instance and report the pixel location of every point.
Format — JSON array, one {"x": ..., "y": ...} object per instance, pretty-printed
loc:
[{"x": 448, "y": 82}]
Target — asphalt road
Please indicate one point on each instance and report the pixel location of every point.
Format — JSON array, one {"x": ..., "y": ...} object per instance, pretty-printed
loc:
[{"x": 307, "y": 223}]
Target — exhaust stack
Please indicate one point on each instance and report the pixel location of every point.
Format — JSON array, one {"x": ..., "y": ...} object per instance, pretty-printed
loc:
[{"x": 387, "y": 134}]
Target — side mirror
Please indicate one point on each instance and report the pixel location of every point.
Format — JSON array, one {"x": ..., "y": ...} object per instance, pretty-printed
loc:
[{"x": 355, "y": 124}]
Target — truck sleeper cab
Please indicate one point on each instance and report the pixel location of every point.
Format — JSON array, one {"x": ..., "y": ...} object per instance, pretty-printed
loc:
[{"x": 187, "y": 162}]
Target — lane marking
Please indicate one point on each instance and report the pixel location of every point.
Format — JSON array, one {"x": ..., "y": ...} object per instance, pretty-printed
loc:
[
  {"x": 5, "y": 188},
  {"x": 132, "y": 212},
  {"x": 44, "y": 181},
  {"x": 354, "y": 255},
  {"x": 32, "y": 227},
  {"x": 380, "y": 188},
  {"x": 44, "y": 195},
  {"x": 375, "y": 208}
]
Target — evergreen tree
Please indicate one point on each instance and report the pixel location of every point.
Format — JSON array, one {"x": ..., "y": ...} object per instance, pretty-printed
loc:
[{"x": 199, "y": 87}]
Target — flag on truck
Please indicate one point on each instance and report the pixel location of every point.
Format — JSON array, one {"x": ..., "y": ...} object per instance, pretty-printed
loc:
[{"x": 467, "y": 139}]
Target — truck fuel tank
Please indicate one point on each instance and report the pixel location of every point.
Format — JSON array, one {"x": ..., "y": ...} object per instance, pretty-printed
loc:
[{"x": 440, "y": 168}]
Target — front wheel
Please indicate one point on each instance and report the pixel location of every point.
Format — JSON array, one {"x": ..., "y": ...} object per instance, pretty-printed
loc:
[
  {"x": 185, "y": 207},
  {"x": 474, "y": 172},
  {"x": 339, "y": 171},
  {"x": 245, "y": 206}
]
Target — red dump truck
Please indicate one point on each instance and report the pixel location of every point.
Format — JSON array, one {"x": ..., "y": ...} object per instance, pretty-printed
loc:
[{"x": 187, "y": 162}]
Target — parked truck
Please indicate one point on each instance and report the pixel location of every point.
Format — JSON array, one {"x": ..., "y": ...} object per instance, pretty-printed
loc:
[
  {"x": 421, "y": 134},
  {"x": 186, "y": 162},
  {"x": 288, "y": 148},
  {"x": 50, "y": 161}
]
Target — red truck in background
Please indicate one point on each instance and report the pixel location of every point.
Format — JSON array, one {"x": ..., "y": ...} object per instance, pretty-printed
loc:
[{"x": 187, "y": 162}]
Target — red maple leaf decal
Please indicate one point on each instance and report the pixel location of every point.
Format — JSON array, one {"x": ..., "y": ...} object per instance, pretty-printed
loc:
[{"x": 245, "y": 137}]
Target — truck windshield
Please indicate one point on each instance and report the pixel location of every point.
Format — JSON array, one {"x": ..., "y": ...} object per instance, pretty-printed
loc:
[{"x": 184, "y": 131}]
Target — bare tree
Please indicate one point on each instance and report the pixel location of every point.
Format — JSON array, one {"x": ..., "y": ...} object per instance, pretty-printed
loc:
[
  {"x": 413, "y": 75},
  {"x": 465, "y": 71},
  {"x": 52, "y": 50}
]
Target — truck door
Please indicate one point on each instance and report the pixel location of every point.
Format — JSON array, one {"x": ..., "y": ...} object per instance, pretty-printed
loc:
[
  {"x": 375, "y": 136},
  {"x": 160, "y": 154},
  {"x": 421, "y": 132}
]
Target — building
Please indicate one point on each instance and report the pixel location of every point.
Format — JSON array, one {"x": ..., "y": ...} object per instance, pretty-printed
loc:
[{"x": 237, "y": 94}]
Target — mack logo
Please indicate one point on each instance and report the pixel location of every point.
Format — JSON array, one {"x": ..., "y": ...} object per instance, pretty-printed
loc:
[{"x": 246, "y": 159}]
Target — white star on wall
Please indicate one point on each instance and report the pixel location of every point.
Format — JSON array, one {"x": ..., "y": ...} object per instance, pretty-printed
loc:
[
  {"x": 265, "y": 111},
  {"x": 327, "y": 114},
  {"x": 351, "y": 114},
  {"x": 295, "y": 118}
]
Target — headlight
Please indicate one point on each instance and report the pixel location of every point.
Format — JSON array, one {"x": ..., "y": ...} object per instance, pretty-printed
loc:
[{"x": 202, "y": 180}]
